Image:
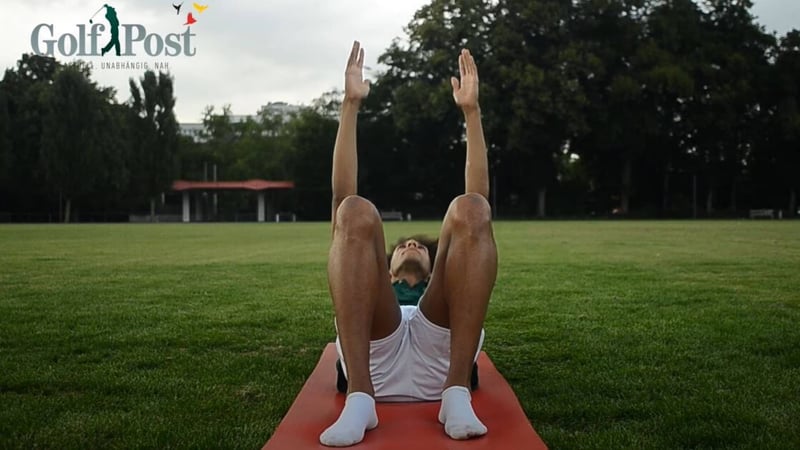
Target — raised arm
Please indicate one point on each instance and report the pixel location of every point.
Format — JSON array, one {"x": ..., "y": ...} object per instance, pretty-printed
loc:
[
  {"x": 345, "y": 158},
  {"x": 465, "y": 93}
]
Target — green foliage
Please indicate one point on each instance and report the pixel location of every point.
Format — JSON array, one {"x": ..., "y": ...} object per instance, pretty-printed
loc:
[
  {"x": 78, "y": 152},
  {"x": 641, "y": 107},
  {"x": 5, "y": 141},
  {"x": 538, "y": 65},
  {"x": 777, "y": 154},
  {"x": 311, "y": 135},
  {"x": 154, "y": 134},
  {"x": 414, "y": 95},
  {"x": 24, "y": 184}
]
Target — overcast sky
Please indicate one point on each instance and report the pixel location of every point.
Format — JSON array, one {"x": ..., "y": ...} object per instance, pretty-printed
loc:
[{"x": 251, "y": 52}]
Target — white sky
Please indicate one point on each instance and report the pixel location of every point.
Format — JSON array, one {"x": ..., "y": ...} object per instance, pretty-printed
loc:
[{"x": 251, "y": 52}]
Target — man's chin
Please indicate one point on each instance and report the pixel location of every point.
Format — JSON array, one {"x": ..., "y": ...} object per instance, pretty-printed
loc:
[{"x": 413, "y": 265}]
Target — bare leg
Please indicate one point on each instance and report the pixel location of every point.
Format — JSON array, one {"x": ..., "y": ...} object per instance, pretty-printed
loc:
[
  {"x": 365, "y": 309},
  {"x": 458, "y": 297}
]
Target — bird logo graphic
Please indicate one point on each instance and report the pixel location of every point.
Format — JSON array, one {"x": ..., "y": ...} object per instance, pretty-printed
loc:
[{"x": 190, "y": 19}]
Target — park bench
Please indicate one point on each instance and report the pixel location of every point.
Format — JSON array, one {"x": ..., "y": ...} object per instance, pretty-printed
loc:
[
  {"x": 391, "y": 215},
  {"x": 763, "y": 213}
]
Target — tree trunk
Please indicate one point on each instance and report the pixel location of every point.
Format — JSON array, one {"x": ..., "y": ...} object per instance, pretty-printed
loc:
[
  {"x": 67, "y": 208},
  {"x": 152, "y": 210},
  {"x": 665, "y": 191},
  {"x": 792, "y": 202},
  {"x": 709, "y": 202},
  {"x": 732, "y": 206},
  {"x": 626, "y": 186},
  {"x": 541, "y": 205},
  {"x": 694, "y": 196}
]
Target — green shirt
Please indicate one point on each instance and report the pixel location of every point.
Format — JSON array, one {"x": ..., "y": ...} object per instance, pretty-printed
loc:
[{"x": 407, "y": 295}]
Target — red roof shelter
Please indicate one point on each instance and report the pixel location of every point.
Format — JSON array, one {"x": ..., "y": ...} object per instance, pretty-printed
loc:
[{"x": 259, "y": 186}]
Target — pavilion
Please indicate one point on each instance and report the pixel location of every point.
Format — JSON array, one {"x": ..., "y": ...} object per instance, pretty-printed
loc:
[{"x": 259, "y": 186}]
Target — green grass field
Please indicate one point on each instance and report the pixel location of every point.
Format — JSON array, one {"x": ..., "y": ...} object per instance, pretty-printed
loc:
[{"x": 614, "y": 335}]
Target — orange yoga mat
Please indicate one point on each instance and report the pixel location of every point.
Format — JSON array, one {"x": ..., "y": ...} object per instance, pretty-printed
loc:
[{"x": 405, "y": 425}]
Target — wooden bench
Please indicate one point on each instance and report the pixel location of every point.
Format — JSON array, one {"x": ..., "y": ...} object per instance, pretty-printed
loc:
[
  {"x": 765, "y": 213},
  {"x": 391, "y": 215}
]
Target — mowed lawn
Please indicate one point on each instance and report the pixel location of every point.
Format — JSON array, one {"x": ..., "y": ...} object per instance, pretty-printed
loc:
[{"x": 614, "y": 335}]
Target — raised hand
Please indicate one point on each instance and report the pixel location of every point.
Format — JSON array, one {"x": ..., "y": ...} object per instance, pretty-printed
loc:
[
  {"x": 355, "y": 87},
  {"x": 465, "y": 91}
]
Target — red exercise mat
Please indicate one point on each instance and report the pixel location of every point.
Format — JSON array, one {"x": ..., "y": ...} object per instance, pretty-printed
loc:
[{"x": 405, "y": 425}]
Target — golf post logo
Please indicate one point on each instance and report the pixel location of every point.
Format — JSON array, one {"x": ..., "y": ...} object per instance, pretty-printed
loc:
[{"x": 117, "y": 38}]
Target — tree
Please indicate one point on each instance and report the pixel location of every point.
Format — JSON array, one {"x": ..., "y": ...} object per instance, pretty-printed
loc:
[
  {"x": 538, "y": 67},
  {"x": 5, "y": 143},
  {"x": 22, "y": 187},
  {"x": 76, "y": 139},
  {"x": 620, "y": 115},
  {"x": 414, "y": 94},
  {"x": 677, "y": 34},
  {"x": 777, "y": 159},
  {"x": 155, "y": 132},
  {"x": 311, "y": 135},
  {"x": 725, "y": 108},
  {"x": 788, "y": 66}
]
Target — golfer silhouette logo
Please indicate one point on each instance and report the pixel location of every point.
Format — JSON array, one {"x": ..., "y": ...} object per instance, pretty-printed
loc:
[{"x": 113, "y": 21}]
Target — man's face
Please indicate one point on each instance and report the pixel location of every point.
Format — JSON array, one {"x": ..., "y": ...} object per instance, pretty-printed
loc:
[{"x": 411, "y": 255}]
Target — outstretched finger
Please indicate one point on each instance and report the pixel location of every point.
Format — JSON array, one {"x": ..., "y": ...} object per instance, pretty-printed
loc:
[
  {"x": 472, "y": 66},
  {"x": 360, "y": 61},
  {"x": 353, "y": 53},
  {"x": 468, "y": 62},
  {"x": 461, "y": 68}
]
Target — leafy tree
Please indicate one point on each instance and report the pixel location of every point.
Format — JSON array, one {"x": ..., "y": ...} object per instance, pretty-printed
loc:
[
  {"x": 677, "y": 34},
  {"x": 22, "y": 187},
  {"x": 5, "y": 142},
  {"x": 155, "y": 132},
  {"x": 77, "y": 143},
  {"x": 619, "y": 114},
  {"x": 311, "y": 135},
  {"x": 726, "y": 105},
  {"x": 427, "y": 151},
  {"x": 788, "y": 66},
  {"x": 777, "y": 159},
  {"x": 219, "y": 135},
  {"x": 260, "y": 148},
  {"x": 539, "y": 66}
]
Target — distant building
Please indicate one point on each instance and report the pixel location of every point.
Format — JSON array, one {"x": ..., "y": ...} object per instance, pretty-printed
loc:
[
  {"x": 196, "y": 131},
  {"x": 281, "y": 108},
  {"x": 192, "y": 130}
]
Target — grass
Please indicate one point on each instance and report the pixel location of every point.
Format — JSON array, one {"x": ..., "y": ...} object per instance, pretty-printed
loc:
[{"x": 614, "y": 335}]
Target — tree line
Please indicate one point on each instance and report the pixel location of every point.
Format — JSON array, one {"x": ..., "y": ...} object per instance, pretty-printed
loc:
[
  {"x": 640, "y": 108},
  {"x": 64, "y": 141}
]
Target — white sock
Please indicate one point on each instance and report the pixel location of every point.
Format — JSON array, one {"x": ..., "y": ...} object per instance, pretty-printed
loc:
[
  {"x": 358, "y": 416},
  {"x": 457, "y": 415}
]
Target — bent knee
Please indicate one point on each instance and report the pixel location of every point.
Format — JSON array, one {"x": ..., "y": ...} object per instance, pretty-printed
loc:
[
  {"x": 357, "y": 215},
  {"x": 470, "y": 211}
]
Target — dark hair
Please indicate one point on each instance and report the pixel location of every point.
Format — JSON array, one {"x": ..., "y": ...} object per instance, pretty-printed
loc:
[{"x": 430, "y": 243}]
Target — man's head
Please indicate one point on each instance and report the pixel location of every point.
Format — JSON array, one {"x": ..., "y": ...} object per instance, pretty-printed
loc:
[{"x": 413, "y": 254}]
